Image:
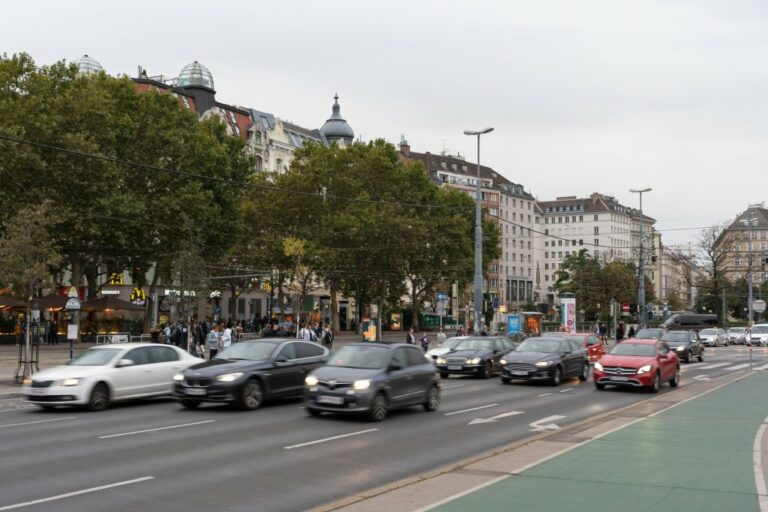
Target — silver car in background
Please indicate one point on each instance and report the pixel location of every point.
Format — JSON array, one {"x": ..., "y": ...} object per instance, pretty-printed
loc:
[
  {"x": 759, "y": 335},
  {"x": 713, "y": 337},
  {"x": 737, "y": 335}
]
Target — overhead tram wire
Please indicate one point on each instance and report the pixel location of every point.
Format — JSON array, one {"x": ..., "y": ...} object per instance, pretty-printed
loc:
[{"x": 231, "y": 182}]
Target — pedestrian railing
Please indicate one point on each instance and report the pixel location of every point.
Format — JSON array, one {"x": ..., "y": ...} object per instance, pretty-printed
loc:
[
  {"x": 119, "y": 337},
  {"x": 141, "y": 338}
]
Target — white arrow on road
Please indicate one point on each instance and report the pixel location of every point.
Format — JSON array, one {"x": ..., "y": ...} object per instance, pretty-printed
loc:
[
  {"x": 477, "y": 421},
  {"x": 543, "y": 425},
  {"x": 701, "y": 377}
]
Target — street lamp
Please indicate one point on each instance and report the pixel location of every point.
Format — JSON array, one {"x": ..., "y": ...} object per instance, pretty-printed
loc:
[
  {"x": 749, "y": 223},
  {"x": 640, "y": 267},
  {"x": 478, "y": 235}
]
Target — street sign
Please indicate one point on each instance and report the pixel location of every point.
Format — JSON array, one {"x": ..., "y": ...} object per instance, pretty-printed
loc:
[
  {"x": 72, "y": 304},
  {"x": 495, "y": 303},
  {"x": 72, "y": 292},
  {"x": 625, "y": 307},
  {"x": 758, "y": 306},
  {"x": 442, "y": 297}
]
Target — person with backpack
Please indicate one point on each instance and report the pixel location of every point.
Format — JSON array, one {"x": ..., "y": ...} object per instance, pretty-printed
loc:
[
  {"x": 327, "y": 337},
  {"x": 424, "y": 341},
  {"x": 213, "y": 341}
]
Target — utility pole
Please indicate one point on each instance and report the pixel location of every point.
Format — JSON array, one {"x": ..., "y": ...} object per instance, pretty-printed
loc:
[
  {"x": 641, "y": 268},
  {"x": 751, "y": 221}
]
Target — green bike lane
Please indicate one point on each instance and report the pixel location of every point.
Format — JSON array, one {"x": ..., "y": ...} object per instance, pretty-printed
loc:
[{"x": 697, "y": 456}]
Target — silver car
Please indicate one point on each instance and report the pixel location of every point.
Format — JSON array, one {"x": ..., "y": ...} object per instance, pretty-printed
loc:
[
  {"x": 759, "y": 335},
  {"x": 737, "y": 335},
  {"x": 713, "y": 337}
]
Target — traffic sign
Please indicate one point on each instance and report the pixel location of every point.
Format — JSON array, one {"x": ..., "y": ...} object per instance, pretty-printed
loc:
[
  {"x": 442, "y": 297},
  {"x": 758, "y": 306},
  {"x": 625, "y": 307},
  {"x": 72, "y": 304}
]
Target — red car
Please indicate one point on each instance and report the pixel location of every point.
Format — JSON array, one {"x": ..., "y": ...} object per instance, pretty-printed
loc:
[
  {"x": 587, "y": 340},
  {"x": 638, "y": 363}
]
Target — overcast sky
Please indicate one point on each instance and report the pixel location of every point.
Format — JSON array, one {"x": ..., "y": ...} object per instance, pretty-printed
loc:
[{"x": 585, "y": 96}]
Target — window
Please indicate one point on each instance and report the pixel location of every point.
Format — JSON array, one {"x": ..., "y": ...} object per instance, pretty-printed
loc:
[
  {"x": 138, "y": 355},
  {"x": 400, "y": 357},
  {"x": 546, "y": 266},
  {"x": 737, "y": 261},
  {"x": 415, "y": 356},
  {"x": 546, "y": 277},
  {"x": 279, "y": 165},
  {"x": 595, "y": 217},
  {"x": 259, "y": 163},
  {"x": 597, "y": 230},
  {"x": 185, "y": 100},
  {"x": 308, "y": 350},
  {"x": 162, "y": 354},
  {"x": 597, "y": 242},
  {"x": 581, "y": 218}
]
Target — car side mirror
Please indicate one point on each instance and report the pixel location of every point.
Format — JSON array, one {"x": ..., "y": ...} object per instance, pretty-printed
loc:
[
  {"x": 125, "y": 362},
  {"x": 395, "y": 366},
  {"x": 281, "y": 360}
]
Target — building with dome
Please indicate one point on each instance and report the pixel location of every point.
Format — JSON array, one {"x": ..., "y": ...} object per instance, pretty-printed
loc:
[
  {"x": 336, "y": 128},
  {"x": 88, "y": 65}
]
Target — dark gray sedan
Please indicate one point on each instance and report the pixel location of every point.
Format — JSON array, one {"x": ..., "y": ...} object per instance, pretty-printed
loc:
[
  {"x": 686, "y": 344},
  {"x": 372, "y": 379},
  {"x": 549, "y": 359}
]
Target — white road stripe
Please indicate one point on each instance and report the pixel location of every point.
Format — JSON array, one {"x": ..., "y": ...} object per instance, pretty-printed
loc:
[
  {"x": 156, "y": 429},
  {"x": 757, "y": 459},
  {"x": 77, "y": 493},
  {"x": 470, "y": 410},
  {"x": 764, "y": 367},
  {"x": 711, "y": 366},
  {"x": 35, "y": 422},
  {"x": 546, "y": 394},
  {"x": 566, "y": 390},
  {"x": 325, "y": 440},
  {"x": 454, "y": 386},
  {"x": 737, "y": 367}
]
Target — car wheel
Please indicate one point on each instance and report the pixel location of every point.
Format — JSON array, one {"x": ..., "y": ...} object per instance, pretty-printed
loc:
[
  {"x": 433, "y": 399},
  {"x": 378, "y": 410},
  {"x": 557, "y": 377},
  {"x": 190, "y": 404},
  {"x": 688, "y": 357},
  {"x": 506, "y": 380},
  {"x": 656, "y": 383},
  {"x": 676, "y": 379},
  {"x": 99, "y": 399},
  {"x": 251, "y": 395},
  {"x": 584, "y": 375},
  {"x": 487, "y": 370},
  {"x": 313, "y": 412},
  {"x": 600, "y": 386},
  {"x": 701, "y": 355},
  {"x": 444, "y": 375}
]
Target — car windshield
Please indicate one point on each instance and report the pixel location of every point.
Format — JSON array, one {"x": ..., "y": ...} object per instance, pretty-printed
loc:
[
  {"x": 248, "y": 350},
  {"x": 708, "y": 332},
  {"x": 539, "y": 345},
  {"x": 737, "y": 330},
  {"x": 452, "y": 342},
  {"x": 633, "y": 349},
  {"x": 95, "y": 357},
  {"x": 675, "y": 337},
  {"x": 360, "y": 356},
  {"x": 644, "y": 334},
  {"x": 760, "y": 329},
  {"x": 475, "y": 344}
]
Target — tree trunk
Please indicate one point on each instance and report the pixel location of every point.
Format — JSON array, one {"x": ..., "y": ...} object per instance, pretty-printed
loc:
[
  {"x": 414, "y": 307},
  {"x": 334, "y": 307},
  {"x": 379, "y": 314},
  {"x": 358, "y": 309},
  {"x": 150, "y": 301}
]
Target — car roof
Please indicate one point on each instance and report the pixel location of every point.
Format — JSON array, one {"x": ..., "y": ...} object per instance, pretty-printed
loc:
[
  {"x": 130, "y": 345},
  {"x": 641, "y": 341}
]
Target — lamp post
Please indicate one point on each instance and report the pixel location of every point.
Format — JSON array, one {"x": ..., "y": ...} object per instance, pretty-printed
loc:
[
  {"x": 749, "y": 223},
  {"x": 478, "y": 234},
  {"x": 641, "y": 267}
]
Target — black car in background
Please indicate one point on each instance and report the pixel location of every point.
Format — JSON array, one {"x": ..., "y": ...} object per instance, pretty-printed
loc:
[
  {"x": 373, "y": 378},
  {"x": 249, "y": 372},
  {"x": 686, "y": 344},
  {"x": 550, "y": 359},
  {"x": 650, "y": 333},
  {"x": 474, "y": 355}
]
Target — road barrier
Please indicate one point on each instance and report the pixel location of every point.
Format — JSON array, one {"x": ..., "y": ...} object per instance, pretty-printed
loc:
[{"x": 117, "y": 337}]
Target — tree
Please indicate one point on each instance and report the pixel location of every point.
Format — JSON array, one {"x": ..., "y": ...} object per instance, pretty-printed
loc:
[{"x": 714, "y": 248}]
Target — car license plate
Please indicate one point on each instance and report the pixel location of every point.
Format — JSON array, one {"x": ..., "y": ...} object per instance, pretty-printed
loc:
[
  {"x": 620, "y": 379},
  {"x": 518, "y": 372},
  {"x": 196, "y": 391},
  {"x": 455, "y": 367},
  {"x": 335, "y": 400},
  {"x": 36, "y": 391}
]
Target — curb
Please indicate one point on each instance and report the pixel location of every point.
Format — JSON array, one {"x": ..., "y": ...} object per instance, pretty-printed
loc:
[{"x": 721, "y": 381}]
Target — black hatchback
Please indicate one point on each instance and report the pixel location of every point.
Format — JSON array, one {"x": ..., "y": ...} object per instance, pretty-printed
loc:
[
  {"x": 686, "y": 345},
  {"x": 373, "y": 378},
  {"x": 249, "y": 372}
]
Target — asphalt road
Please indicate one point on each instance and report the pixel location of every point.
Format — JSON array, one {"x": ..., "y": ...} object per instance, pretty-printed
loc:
[{"x": 154, "y": 455}]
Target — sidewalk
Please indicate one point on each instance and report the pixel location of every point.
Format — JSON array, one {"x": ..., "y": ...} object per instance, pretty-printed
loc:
[{"x": 697, "y": 449}]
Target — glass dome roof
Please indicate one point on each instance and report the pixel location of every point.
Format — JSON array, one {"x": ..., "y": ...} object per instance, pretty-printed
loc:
[
  {"x": 195, "y": 74},
  {"x": 87, "y": 65}
]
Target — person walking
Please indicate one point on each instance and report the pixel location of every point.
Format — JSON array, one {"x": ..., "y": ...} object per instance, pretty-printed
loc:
[
  {"x": 53, "y": 335},
  {"x": 631, "y": 332},
  {"x": 327, "y": 337},
  {"x": 213, "y": 341},
  {"x": 226, "y": 338},
  {"x": 603, "y": 333},
  {"x": 424, "y": 341},
  {"x": 620, "y": 332},
  {"x": 410, "y": 338},
  {"x": 441, "y": 337},
  {"x": 306, "y": 334}
]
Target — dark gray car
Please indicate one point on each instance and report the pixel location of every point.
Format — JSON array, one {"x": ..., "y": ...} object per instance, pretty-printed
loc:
[
  {"x": 686, "y": 344},
  {"x": 372, "y": 379}
]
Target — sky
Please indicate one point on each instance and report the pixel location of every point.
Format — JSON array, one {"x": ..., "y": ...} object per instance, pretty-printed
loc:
[{"x": 584, "y": 96}]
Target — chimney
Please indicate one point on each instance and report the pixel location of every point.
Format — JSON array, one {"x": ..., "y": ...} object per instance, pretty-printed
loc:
[{"x": 405, "y": 148}]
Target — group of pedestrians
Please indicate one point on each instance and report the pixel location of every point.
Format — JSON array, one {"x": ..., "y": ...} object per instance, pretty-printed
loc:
[
  {"x": 317, "y": 334},
  {"x": 601, "y": 329},
  {"x": 410, "y": 338}
]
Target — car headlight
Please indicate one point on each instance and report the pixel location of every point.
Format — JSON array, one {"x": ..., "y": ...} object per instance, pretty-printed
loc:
[
  {"x": 68, "y": 382},
  {"x": 644, "y": 369},
  {"x": 474, "y": 360},
  {"x": 503, "y": 362},
  {"x": 311, "y": 381},
  {"x": 680, "y": 348},
  {"x": 27, "y": 381},
  {"x": 544, "y": 364},
  {"x": 361, "y": 385},
  {"x": 229, "y": 377},
  {"x": 598, "y": 366},
  {"x": 178, "y": 377},
  {"x": 441, "y": 360}
]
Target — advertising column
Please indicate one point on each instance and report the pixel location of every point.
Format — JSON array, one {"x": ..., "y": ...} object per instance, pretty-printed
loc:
[{"x": 568, "y": 312}]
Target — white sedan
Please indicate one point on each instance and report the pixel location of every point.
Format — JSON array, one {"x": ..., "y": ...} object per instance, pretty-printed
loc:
[
  {"x": 109, "y": 373},
  {"x": 443, "y": 348}
]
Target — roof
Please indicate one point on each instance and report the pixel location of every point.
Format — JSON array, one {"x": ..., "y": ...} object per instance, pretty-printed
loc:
[
  {"x": 336, "y": 127},
  {"x": 595, "y": 203},
  {"x": 195, "y": 74},
  {"x": 641, "y": 341}
]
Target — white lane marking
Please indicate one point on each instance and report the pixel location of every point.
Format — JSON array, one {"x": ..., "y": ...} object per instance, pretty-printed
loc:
[
  {"x": 566, "y": 390},
  {"x": 757, "y": 463},
  {"x": 542, "y": 424},
  {"x": 35, "y": 422},
  {"x": 77, "y": 493},
  {"x": 156, "y": 429},
  {"x": 546, "y": 394},
  {"x": 493, "y": 419},
  {"x": 701, "y": 377},
  {"x": 470, "y": 410},
  {"x": 325, "y": 440},
  {"x": 736, "y": 367},
  {"x": 711, "y": 366},
  {"x": 453, "y": 386},
  {"x": 764, "y": 367},
  {"x": 464, "y": 493}
]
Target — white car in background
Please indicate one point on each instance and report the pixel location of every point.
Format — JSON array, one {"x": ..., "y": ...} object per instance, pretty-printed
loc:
[
  {"x": 713, "y": 337},
  {"x": 444, "y": 348},
  {"x": 759, "y": 335},
  {"x": 737, "y": 335},
  {"x": 107, "y": 373}
]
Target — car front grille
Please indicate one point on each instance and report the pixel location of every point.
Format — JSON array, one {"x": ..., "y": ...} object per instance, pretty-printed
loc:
[
  {"x": 619, "y": 370},
  {"x": 456, "y": 360},
  {"x": 520, "y": 367},
  {"x": 41, "y": 383},
  {"x": 198, "y": 381},
  {"x": 332, "y": 384}
]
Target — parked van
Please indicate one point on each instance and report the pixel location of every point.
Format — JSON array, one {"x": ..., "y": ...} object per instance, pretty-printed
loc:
[{"x": 690, "y": 321}]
